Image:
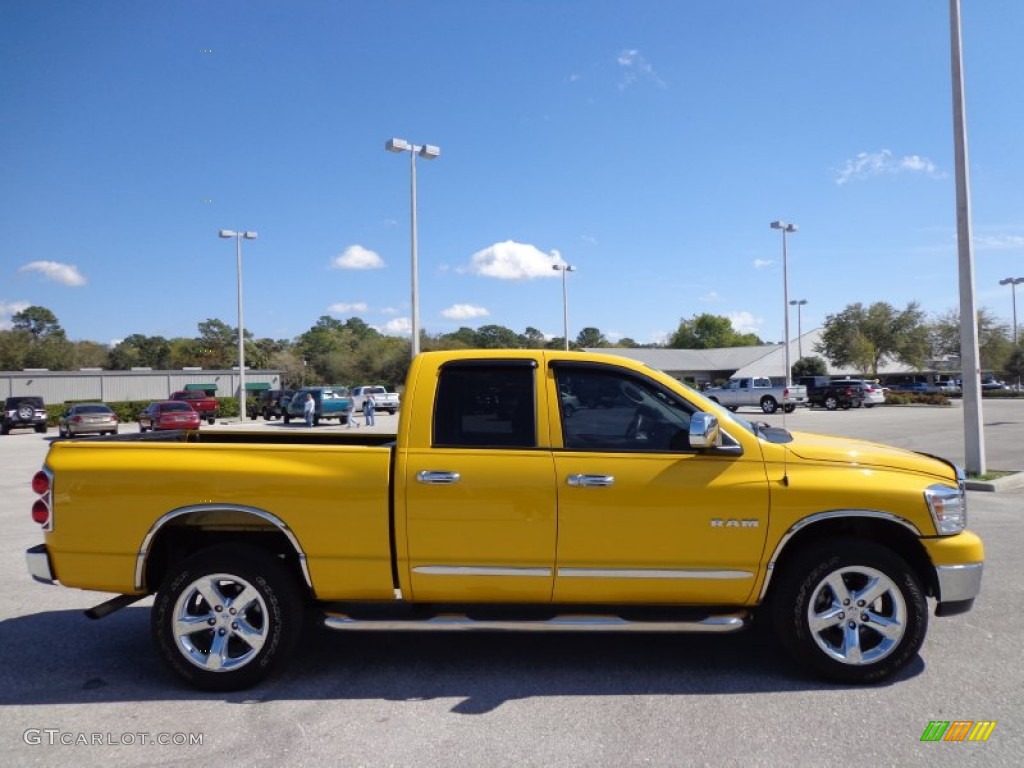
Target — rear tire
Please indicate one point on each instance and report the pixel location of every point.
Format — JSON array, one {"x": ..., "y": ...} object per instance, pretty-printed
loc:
[
  {"x": 227, "y": 617},
  {"x": 768, "y": 405},
  {"x": 788, "y": 408},
  {"x": 850, "y": 610},
  {"x": 831, "y": 403}
]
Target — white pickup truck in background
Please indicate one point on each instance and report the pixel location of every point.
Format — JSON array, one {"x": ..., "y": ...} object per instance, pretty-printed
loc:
[
  {"x": 384, "y": 400},
  {"x": 758, "y": 392}
]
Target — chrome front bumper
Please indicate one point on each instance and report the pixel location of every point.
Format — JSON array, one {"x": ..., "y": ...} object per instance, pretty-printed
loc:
[
  {"x": 39, "y": 564},
  {"x": 958, "y": 586}
]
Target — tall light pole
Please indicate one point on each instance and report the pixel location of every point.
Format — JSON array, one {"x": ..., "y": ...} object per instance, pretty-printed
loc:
[
  {"x": 1013, "y": 282},
  {"x": 799, "y": 303},
  {"x": 970, "y": 358},
  {"x": 786, "y": 228},
  {"x": 247, "y": 235},
  {"x": 429, "y": 152},
  {"x": 564, "y": 268}
]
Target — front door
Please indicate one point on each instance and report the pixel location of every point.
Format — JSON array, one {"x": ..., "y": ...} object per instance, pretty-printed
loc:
[{"x": 641, "y": 516}]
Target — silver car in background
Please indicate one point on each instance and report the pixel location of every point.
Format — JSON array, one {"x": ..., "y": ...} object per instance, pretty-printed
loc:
[{"x": 87, "y": 419}]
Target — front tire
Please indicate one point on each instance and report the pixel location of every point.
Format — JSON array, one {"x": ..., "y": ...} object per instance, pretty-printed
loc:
[
  {"x": 850, "y": 610},
  {"x": 226, "y": 617}
]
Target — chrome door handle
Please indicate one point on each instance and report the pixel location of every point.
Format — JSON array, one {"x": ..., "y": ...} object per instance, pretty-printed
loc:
[
  {"x": 591, "y": 481},
  {"x": 435, "y": 477}
]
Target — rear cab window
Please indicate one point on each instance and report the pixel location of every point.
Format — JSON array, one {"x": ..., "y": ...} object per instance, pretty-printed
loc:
[{"x": 486, "y": 404}]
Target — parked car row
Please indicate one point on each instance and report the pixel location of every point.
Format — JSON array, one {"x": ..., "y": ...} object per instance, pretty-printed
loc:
[
  {"x": 833, "y": 393},
  {"x": 331, "y": 402}
]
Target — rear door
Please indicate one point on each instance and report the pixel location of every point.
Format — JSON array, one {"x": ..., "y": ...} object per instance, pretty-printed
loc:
[{"x": 480, "y": 498}]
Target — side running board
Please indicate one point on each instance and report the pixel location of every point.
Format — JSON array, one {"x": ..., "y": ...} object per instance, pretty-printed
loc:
[{"x": 731, "y": 622}]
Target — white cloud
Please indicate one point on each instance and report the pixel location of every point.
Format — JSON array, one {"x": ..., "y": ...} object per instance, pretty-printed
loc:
[
  {"x": 635, "y": 68},
  {"x": 342, "y": 308},
  {"x": 8, "y": 309},
  {"x": 390, "y": 311},
  {"x": 357, "y": 257},
  {"x": 400, "y": 326},
  {"x": 514, "y": 261},
  {"x": 999, "y": 242},
  {"x": 464, "y": 312},
  {"x": 869, "y": 164},
  {"x": 744, "y": 322},
  {"x": 762, "y": 263},
  {"x": 67, "y": 274},
  {"x": 711, "y": 297}
]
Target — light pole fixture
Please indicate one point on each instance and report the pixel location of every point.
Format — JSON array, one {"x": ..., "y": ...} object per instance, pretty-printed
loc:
[
  {"x": 1013, "y": 282},
  {"x": 239, "y": 236},
  {"x": 799, "y": 303},
  {"x": 786, "y": 228},
  {"x": 564, "y": 268},
  {"x": 428, "y": 152}
]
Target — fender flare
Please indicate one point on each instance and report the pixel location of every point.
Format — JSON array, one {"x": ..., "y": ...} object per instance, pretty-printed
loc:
[
  {"x": 174, "y": 514},
  {"x": 834, "y": 514}
]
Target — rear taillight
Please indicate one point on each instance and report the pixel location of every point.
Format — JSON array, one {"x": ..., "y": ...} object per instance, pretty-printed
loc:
[
  {"x": 76, "y": 419},
  {"x": 785, "y": 393},
  {"x": 42, "y": 483},
  {"x": 40, "y": 512}
]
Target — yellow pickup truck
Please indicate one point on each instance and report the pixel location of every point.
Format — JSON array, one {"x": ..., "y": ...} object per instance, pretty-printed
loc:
[{"x": 525, "y": 490}]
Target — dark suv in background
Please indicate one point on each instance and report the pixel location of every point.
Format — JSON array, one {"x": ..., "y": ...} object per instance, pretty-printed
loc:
[
  {"x": 23, "y": 412},
  {"x": 271, "y": 403}
]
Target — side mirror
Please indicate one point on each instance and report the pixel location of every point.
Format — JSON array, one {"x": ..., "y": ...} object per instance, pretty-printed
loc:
[{"x": 704, "y": 432}]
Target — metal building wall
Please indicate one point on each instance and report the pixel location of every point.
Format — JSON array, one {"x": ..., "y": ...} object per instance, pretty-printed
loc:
[{"x": 120, "y": 386}]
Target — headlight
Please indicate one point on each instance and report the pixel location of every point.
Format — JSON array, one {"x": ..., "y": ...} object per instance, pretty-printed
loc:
[{"x": 948, "y": 507}]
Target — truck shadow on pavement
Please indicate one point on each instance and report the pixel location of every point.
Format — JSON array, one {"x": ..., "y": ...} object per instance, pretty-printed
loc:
[{"x": 61, "y": 657}]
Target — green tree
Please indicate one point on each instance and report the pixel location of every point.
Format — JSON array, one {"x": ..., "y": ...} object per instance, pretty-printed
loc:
[
  {"x": 1014, "y": 366},
  {"x": 40, "y": 322},
  {"x": 591, "y": 337},
  {"x": 994, "y": 343},
  {"x": 707, "y": 331},
  {"x": 809, "y": 366},
  {"x": 865, "y": 337},
  {"x": 139, "y": 350},
  {"x": 14, "y": 346},
  {"x": 91, "y": 354},
  {"x": 48, "y": 345},
  {"x": 498, "y": 337},
  {"x": 218, "y": 344},
  {"x": 534, "y": 338}
]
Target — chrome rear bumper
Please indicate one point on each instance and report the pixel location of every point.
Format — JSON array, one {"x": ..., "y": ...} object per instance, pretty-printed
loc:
[{"x": 39, "y": 564}]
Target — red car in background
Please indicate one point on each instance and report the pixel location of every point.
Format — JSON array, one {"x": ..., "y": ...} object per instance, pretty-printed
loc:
[{"x": 168, "y": 414}]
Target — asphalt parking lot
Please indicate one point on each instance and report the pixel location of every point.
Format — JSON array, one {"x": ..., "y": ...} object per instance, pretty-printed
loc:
[{"x": 524, "y": 700}]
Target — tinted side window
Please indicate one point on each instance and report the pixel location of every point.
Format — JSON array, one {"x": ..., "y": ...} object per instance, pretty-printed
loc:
[
  {"x": 485, "y": 405},
  {"x": 616, "y": 411}
]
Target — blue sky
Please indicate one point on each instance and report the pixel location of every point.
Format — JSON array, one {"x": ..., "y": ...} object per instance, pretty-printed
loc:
[{"x": 648, "y": 144}]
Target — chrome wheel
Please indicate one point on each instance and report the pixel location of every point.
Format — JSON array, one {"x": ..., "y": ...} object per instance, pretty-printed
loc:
[
  {"x": 220, "y": 622},
  {"x": 857, "y": 615},
  {"x": 850, "y": 609},
  {"x": 227, "y": 617}
]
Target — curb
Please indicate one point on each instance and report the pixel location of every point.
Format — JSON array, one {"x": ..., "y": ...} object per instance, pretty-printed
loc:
[{"x": 1008, "y": 483}]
